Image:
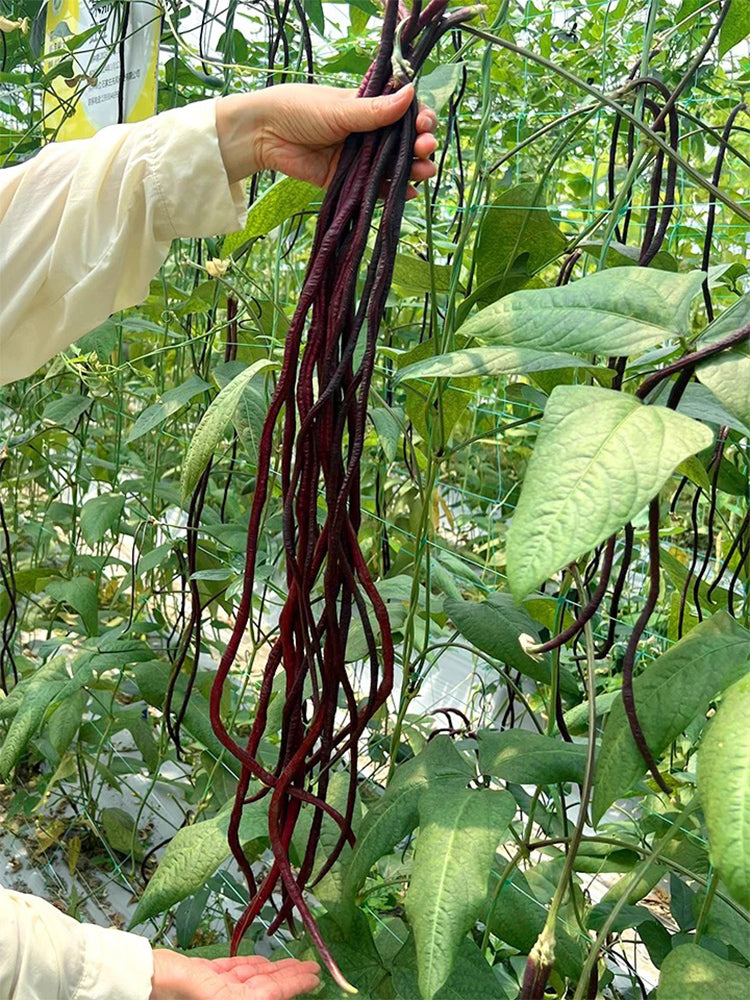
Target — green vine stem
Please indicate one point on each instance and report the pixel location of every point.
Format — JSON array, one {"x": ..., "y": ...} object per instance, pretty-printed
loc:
[
  {"x": 542, "y": 956},
  {"x": 633, "y": 879}
]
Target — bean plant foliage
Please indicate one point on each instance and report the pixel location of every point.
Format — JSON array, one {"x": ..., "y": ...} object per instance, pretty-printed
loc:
[{"x": 404, "y": 547}]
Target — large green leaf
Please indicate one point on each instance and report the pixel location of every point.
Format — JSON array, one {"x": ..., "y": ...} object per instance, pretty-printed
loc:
[
  {"x": 690, "y": 973},
  {"x": 118, "y": 830},
  {"x": 527, "y": 758},
  {"x": 396, "y": 814},
  {"x": 435, "y": 88},
  {"x": 81, "y": 594},
  {"x": 459, "y": 831},
  {"x": 171, "y": 402},
  {"x": 470, "y": 978},
  {"x": 99, "y": 514},
  {"x": 414, "y": 274},
  {"x": 249, "y": 418},
  {"x": 620, "y": 311},
  {"x": 669, "y": 694},
  {"x": 589, "y": 475},
  {"x": 65, "y": 721},
  {"x": 33, "y": 697},
  {"x": 724, "y": 788},
  {"x": 67, "y": 409},
  {"x": 152, "y": 680},
  {"x": 699, "y": 402},
  {"x": 210, "y": 430},
  {"x": 619, "y": 255},
  {"x": 192, "y": 856},
  {"x": 453, "y": 402},
  {"x": 516, "y": 223},
  {"x": 494, "y": 626},
  {"x": 56, "y": 683},
  {"x": 478, "y": 361},
  {"x": 736, "y": 26},
  {"x": 280, "y": 202},
  {"x": 728, "y": 374}
]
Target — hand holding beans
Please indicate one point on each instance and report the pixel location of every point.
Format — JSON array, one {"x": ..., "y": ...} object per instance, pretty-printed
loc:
[{"x": 299, "y": 130}]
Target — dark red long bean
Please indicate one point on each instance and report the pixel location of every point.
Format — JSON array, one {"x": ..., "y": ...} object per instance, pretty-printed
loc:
[{"x": 314, "y": 433}]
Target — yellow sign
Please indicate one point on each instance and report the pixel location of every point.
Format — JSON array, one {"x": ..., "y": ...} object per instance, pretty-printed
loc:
[{"x": 110, "y": 52}]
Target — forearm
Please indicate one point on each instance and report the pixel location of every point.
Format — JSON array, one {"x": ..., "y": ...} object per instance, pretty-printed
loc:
[
  {"x": 85, "y": 225},
  {"x": 45, "y": 954}
]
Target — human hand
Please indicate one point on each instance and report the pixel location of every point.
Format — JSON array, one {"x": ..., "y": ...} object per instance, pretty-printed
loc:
[
  {"x": 299, "y": 129},
  {"x": 178, "y": 977}
]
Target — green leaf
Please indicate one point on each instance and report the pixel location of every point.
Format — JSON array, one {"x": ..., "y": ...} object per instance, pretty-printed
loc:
[
  {"x": 453, "y": 402},
  {"x": 471, "y": 977},
  {"x": 518, "y": 918},
  {"x": 280, "y": 202},
  {"x": 695, "y": 470},
  {"x": 67, "y": 410},
  {"x": 479, "y": 361},
  {"x": 144, "y": 740},
  {"x": 516, "y": 223},
  {"x": 728, "y": 374},
  {"x": 99, "y": 514},
  {"x": 577, "y": 718},
  {"x": 118, "y": 828},
  {"x": 189, "y": 915},
  {"x": 728, "y": 378},
  {"x": 81, "y": 594},
  {"x": 494, "y": 626},
  {"x": 736, "y": 26},
  {"x": 527, "y": 758},
  {"x": 690, "y": 973},
  {"x": 459, "y": 831},
  {"x": 724, "y": 789},
  {"x": 358, "y": 18},
  {"x": 396, "y": 813},
  {"x": 669, "y": 694},
  {"x": 620, "y": 311},
  {"x": 47, "y": 687},
  {"x": 413, "y": 274},
  {"x": 211, "y": 429},
  {"x": 103, "y": 340},
  {"x": 249, "y": 418},
  {"x": 436, "y": 88},
  {"x": 65, "y": 721},
  {"x": 192, "y": 856},
  {"x": 75, "y": 41},
  {"x": 700, "y": 403},
  {"x": 619, "y": 255},
  {"x": 590, "y": 446},
  {"x": 388, "y": 428},
  {"x": 171, "y": 402},
  {"x": 152, "y": 680}
]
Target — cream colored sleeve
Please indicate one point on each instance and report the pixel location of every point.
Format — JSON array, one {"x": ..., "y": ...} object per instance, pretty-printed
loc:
[
  {"x": 85, "y": 225},
  {"x": 45, "y": 955}
]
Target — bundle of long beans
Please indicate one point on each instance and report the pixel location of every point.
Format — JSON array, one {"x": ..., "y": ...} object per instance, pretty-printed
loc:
[{"x": 323, "y": 396}]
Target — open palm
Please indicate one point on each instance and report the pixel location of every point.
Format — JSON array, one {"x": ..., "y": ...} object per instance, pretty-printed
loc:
[{"x": 177, "y": 977}]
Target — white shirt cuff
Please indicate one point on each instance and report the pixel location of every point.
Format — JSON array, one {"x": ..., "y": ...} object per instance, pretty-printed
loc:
[
  {"x": 189, "y": 172},
  {"x": 117, "y": 965}
]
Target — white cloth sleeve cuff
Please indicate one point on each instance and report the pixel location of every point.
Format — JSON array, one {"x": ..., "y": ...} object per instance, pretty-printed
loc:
[
  {"x": 186, "y": 158},
  {"x": 117, "y": 965}
]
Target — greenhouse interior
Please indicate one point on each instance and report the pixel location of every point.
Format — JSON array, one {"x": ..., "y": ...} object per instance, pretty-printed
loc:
[{"x": 375, "y": 499}]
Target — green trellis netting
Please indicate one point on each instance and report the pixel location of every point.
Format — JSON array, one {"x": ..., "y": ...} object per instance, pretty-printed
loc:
[{"x": 103, "y": 560}]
